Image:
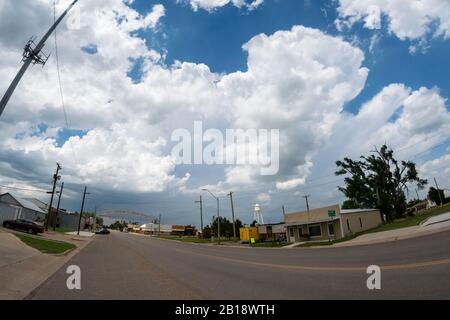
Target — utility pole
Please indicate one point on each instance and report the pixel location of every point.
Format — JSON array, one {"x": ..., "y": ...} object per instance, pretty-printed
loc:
[
  {"x": 82, "y": 207},
  {"x": 159, "y": 225},
  {"x": 57, "y": 208},
  {"x": 284, "y": 212},
  {"x": 201, "y": 213},
  {"x": 232, "y": 214},
  {"x": 56, "y": 177},
  {"x": 218, "y": 214},
  {"x": 307, "y": 208},
  {"x": 32, "y": 54},
  {"x": 439, "y": 193}
]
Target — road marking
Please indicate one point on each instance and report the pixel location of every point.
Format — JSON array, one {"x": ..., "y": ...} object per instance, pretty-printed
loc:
[{"x": 320, "y": 268}]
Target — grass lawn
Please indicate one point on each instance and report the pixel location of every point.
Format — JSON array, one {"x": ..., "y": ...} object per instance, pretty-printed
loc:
[
  {"x": 397, "y": 224},
  {"x": 269, "y": 244},
  {"x": 194, "y": 239},
  {"x": 45, "y": 246},
  {"x": 61, "y": 230}
]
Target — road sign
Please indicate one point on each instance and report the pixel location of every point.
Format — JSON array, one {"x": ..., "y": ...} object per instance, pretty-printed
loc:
[{"x": 331, "y": 213}]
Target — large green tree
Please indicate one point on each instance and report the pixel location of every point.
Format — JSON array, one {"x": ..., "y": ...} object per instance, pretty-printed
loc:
[
  {"x": 379, "y": 181},
  {"x": 436, "y": 195}
]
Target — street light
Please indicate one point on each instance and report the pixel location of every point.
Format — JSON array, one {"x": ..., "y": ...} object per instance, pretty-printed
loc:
[{"x": 218, "y": 214}]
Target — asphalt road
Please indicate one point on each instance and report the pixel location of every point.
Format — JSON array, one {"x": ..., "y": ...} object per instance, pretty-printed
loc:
[{"x": 126, "y": 266}]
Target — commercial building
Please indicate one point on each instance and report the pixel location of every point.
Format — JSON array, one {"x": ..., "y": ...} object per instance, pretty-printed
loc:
[
  {"x": 272, "y": 232},
  {"x": 330, "y": 222}
]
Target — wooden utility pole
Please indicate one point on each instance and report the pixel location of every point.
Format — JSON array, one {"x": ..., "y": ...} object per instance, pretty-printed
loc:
[
  {"x": 56, "y": 177},
  {"x": 81, "y": 211},
  {"x": 159, "y": 225},
  {"x": 439, "y": 193},
  {"x": 232, "y": 214},
  {"x": 32, "y": 55},
  {"x": 57, "y": 208},
  {"x": 307, "y": 208},
  {"x": 201, "y": 213}
]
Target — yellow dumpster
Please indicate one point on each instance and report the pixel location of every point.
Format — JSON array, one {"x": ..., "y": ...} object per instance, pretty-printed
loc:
[{"x": 246, "y": 233}]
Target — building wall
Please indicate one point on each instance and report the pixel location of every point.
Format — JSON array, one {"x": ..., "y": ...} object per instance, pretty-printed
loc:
[
  {"x": 32, "y": 215},
  {"x": 318, "y": 214},
  {"x": 69, "y": 221},
  {"x": 324, "y": 231},
  {"x": 368, "y": 219},
  {"x": 7, "y": 212}
]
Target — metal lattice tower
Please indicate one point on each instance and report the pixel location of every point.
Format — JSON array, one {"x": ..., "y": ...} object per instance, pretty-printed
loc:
[{"x": 257, "y": 215}]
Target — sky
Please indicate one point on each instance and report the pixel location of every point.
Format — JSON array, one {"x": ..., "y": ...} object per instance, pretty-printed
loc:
[{"x": 335, "y": 77}]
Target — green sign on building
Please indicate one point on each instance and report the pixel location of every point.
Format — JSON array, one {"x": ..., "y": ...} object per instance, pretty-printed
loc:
[{"x": 331, "y": 213}]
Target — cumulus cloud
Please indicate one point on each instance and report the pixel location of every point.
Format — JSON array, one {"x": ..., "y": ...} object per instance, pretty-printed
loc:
[
  {"x": 409, "y": 121},
  {"x": 211, "y": 5},
  {"x": 297, "y": 81},
  {"x": 412, "y": 20},
  {"x": 263, "y": 197}
]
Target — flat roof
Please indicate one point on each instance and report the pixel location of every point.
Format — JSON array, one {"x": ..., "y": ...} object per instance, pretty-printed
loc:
[{"x": 344, "y": 211}]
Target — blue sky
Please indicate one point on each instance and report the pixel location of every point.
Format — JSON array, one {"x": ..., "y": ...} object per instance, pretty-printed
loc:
[{"x": 216, "y": 39}]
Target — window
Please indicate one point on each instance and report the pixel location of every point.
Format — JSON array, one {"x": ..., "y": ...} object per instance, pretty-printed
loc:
[
  {"x": 331, "y": 229},
  {"x": 291, "y": 232},
  {"x": 348, "y": 225},
  {"x": 315, "y": 230},
  {"x": 360, "y": 222}
]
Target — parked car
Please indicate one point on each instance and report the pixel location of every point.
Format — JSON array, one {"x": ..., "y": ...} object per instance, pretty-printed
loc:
[
  {"x": 103, "y": 231},
  {"x": 24, "y": 225}
]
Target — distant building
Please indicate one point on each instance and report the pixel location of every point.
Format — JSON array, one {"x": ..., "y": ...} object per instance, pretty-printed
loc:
[
  {"x": 15, "y": 207},
  {"x": 330, "y": 222},
  {"x": 272, "y": 232}
]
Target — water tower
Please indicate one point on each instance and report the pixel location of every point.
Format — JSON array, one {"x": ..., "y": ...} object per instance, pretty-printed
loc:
[{"x": 257, "y": 215}]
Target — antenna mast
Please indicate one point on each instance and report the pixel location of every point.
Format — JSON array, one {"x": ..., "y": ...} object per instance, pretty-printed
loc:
[{"x": 32, "y": 54}]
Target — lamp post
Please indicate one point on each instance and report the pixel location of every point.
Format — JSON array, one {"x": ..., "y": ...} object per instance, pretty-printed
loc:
[{"x": 218, "y": 214}]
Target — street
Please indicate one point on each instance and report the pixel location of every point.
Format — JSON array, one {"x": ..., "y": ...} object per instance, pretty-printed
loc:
[{"x": 126, "y": 266}]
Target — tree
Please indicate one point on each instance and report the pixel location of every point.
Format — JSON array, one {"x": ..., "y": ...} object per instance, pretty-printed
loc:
[
  {"x": 350, "y": 204},
  {"x": 379, "y": 181},
  {"x": 254, "y": 223},
  {"x": 433, "y": 195}
]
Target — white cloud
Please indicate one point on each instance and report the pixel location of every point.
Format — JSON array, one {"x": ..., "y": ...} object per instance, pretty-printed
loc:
[
  {"x": 211, "y": 5},
  {"x": 410, "y": 122},
  {"x": 407, "y": 19},
  {"x": 438, "y": 168},
  {"x": 297, "y": 81},
  {"x": 263, "y": 197}
]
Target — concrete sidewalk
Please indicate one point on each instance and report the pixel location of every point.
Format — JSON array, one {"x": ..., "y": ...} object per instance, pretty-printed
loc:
[
  {"x": 432, "y": 225},
  {"x": 23, "y": 269},
  {"x": 13, "y": 250}
]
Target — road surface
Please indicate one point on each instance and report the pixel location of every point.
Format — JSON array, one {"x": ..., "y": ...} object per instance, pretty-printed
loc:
[{"x": 127, "y": 266}]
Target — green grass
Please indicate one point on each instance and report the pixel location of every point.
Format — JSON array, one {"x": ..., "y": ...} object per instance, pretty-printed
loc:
[
  {"x": 270, "y": 244},
  {"x": 46, "y": 246},
  {"x": 61, "y": 230},
  {"x": 397, "y": 224}
]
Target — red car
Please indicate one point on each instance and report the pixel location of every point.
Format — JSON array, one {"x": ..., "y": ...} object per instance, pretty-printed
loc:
[{"x": 24, "y": 225}]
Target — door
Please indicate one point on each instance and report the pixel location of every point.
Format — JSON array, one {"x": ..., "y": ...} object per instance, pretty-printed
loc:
[{"x": 18, "y": 213}]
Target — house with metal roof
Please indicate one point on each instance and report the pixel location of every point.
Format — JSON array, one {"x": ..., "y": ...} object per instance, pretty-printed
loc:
[{"x": 15, "y": 207}]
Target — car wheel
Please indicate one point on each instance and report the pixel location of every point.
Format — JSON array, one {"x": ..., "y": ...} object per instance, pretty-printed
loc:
[
  {"x": 7, "y": 226},
  {"x": 30, "y": 231}
]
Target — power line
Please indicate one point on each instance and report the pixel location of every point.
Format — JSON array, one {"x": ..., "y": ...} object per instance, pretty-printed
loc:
[
  {"x": 58, "y": 69},
  {"x": 23, "y": 189}
]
